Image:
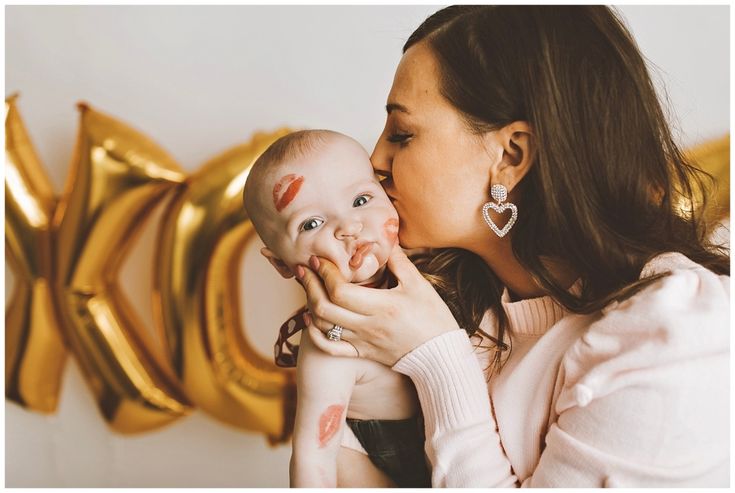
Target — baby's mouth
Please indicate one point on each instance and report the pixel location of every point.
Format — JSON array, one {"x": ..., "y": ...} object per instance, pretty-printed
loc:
[{"x": 361, "y": 250}]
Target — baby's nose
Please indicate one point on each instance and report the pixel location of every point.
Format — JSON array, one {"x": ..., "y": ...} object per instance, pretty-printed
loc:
[{"x": 348, "y": 228}]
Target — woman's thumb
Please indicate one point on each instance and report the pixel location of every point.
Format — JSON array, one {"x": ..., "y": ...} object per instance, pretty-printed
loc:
[{"x": 401, "y": 266}]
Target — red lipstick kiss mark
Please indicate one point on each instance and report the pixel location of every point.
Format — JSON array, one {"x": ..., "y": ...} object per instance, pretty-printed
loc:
[
  {"x": 390, "y": 228},
  {"x": 294, "y": 185},
  {"x": 329, "y": 423}
]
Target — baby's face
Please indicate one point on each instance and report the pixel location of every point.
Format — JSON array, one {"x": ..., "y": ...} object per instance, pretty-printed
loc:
[{"x": 330, "y": 204}]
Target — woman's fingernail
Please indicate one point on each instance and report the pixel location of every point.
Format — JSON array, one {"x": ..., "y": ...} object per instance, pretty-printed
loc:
[
  {"x": 314, "y": 262},
  {"x": 307, "y": 319},
  {"x": 300, "y": 272}
]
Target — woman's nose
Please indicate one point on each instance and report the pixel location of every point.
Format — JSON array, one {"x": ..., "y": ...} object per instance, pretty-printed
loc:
[
  {"x": 381, "y": 158},
  {"x": 348, "y": 228}
]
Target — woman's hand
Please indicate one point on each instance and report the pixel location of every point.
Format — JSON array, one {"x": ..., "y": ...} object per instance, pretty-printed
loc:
[{"x": 380, "y": 324}]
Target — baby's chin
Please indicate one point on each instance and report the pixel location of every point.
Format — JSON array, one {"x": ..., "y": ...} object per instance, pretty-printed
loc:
[{"x": 369, "y": 269}]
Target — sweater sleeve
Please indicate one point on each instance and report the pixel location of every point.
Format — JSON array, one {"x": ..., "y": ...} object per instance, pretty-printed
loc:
[
  {"x": 462, "y": 441},
  {"x": 643, "y": 400},
  {"x": 645, "y": 394}
]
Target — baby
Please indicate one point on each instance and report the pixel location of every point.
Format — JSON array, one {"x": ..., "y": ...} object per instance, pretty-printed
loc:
[{"x": 310, "y": 193}]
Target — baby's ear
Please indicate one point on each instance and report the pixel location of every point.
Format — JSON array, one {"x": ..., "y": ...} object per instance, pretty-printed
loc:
[{"x": 276, "y": 262}]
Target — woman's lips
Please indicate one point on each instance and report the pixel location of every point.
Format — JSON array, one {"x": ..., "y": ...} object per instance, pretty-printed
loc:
[{"x": 360, "y": 252}]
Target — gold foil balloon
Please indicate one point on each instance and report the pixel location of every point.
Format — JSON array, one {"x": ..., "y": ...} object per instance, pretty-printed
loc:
[
  {"x": 34, "y": 351},
  {"x": 201, "y": 243},
  {"x": 713, "y": 157},
  {"x": 117, "y": 177}
]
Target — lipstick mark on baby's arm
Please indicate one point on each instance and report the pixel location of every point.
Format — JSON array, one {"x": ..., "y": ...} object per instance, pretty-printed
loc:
[
  {"x": 293, "y": 185},
  {"x": 329, "y": 422}
]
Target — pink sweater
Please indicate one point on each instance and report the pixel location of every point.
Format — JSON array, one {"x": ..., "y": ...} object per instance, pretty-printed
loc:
[{"x": 635, "y": 395}]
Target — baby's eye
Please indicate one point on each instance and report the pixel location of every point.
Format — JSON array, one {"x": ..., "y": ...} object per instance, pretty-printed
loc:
[
  {"x": 361, "y": 200},
  {"x": 311, "y": 223}
]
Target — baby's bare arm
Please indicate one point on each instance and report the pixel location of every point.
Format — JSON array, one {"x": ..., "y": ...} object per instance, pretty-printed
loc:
[{"x": 324, "y": 385}]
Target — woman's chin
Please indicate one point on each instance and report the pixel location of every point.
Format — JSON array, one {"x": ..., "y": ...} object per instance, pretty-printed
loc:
[
  {"x": 409, "y": 241},
  {"x": 405, "y": 240}
]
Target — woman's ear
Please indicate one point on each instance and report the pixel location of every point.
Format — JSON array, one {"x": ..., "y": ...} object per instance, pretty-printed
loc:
[
  {"x": 516, "y": 154},
  {"x": 276, "y": 262}
]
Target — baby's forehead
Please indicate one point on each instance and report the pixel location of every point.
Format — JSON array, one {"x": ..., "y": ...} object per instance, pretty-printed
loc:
[
  {"x": 324, "y": 168},
  {"x": 297, "y": 188}
]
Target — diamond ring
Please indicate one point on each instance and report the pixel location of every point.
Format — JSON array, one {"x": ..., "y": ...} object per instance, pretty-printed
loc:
[{"x": 335, "y": 333}]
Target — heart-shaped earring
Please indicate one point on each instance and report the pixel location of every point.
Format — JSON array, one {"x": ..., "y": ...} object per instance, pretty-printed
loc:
[{"x": 500, "y": 194}]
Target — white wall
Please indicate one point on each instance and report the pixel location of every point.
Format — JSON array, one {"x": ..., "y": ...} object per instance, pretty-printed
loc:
[{"x": 199, "y": 80}]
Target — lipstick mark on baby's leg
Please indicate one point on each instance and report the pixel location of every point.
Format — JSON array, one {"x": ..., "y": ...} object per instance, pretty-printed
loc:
[
  {"x": 294, "y": 185},
  {"x": 390, "y": 228},
  {"x": 329, "y": 423}
]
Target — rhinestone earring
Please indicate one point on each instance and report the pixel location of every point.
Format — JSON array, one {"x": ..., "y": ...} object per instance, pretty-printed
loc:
[{"x": 500, "y": 194}]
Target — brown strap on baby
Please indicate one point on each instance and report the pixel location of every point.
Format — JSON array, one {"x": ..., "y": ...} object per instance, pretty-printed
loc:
[{"x": 286, "y": 352}]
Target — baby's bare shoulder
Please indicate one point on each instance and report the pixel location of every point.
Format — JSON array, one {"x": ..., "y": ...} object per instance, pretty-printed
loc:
[
  {"x": 311, "y": 356},
  {"x": 362, "y": 370}
]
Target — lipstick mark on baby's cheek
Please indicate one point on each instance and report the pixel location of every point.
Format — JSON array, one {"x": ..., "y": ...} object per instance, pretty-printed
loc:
[
  {"x": 329, "y": 423},
  {"x": 390, "y": 228},
  {"x": 294, "y": 185}
]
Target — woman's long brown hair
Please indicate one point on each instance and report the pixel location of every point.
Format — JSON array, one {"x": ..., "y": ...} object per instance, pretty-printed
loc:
[{"x": 609, "y": 189}]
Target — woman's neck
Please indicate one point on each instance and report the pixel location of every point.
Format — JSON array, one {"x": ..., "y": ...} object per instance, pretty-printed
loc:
[{"x": 515, "y": 277}]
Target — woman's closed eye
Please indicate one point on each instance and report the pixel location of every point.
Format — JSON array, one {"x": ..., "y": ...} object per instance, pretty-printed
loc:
[
  {"x": 400, "y": 138},
  {"x": 311, "y": 223}
]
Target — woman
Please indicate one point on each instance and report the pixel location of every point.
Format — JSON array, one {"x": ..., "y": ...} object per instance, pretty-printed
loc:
[{"x": 604, "y": 307}]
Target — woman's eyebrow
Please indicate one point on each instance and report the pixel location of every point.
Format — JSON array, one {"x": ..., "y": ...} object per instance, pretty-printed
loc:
[{"x": 395, "y": 106}]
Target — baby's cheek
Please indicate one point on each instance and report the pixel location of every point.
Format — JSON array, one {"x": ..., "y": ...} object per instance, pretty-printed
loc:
[
  {"x": 302, "y": 249},
  {"x": 390, "y": 230}
]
